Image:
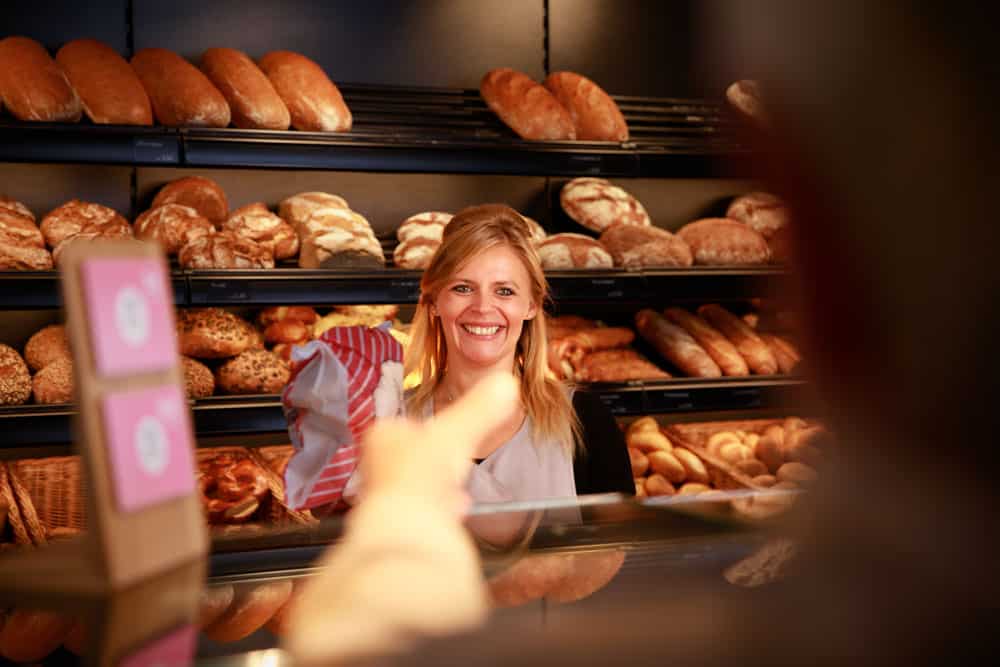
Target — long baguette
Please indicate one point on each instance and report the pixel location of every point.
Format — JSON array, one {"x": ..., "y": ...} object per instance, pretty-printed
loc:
[
  {"x": 756, "y": 352},
  {"x": 718, "y": 346},
  {"x": 675, "y": 344}
]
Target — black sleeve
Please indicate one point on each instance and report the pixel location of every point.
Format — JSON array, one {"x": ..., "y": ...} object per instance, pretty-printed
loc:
[{"x": 604, "y": 466}]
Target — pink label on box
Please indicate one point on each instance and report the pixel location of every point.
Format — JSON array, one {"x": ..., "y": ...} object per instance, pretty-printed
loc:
[
  {"x": 149, "y": 446},
  {"x": 130, "y": 313},
  {"x": 176, "y": 649}
]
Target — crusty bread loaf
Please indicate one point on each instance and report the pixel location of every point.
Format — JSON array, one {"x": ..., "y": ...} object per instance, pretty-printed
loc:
[
  {"x": 22, "y": 247},
  {"x": 180, "y": 94},
  {"x": 173, "y": 226},
  {"x": 745, "y": 97},
  {"x": 313, "y": 100},
  {"x": 762, "y": 211},
  {"x": 224, "y": 250},
  {"x": 304, "y": 314},
  {"x": 212, "y": 333},
  {"x": 253, "y": 372},
  {"x": 288, "y": 330},
  {"x": 198, "y": 379},
  {"x": 426, "y": 225},
  {"x": 784, "y": 351},
  {"x": 202, "y": 194},
  {"x": 77, "y": 216},
  {"x": 109, "y": 89},
  {"x": 54, "y": 383},
  {"x": 20, "y": 229},
  {"x": 722, "y": 351},
  {"x": 639, "y": 246},
  {"x": 675, "y": 344},
  {"x": 253, "y": 101},
  {"x": 617, "y": 365},
  {"x": 297, "y": 208},
  {"x": 595, "y": 115},
  {"x": 720, "y": 241},
  {"x": 257, "y": 223},
  {"x": 33, "y": 85},
  {"x": 45, "y": 346},
  {"x": 18, "y": 257},
  {"x": 574, "y": 251},
  {"x": 415, "y": 253},
  {"x": 15, "y": 379},
  {"x": 536, "y": 232},
  {"x": 338, "y": 238},
  {"x": 526, "y": 106},
  {"x": 8, "y": 204},
  {"x": 597, "y": 204},
  {"x": 756, "y": 353},
  {"x": 118, "y": 233}
]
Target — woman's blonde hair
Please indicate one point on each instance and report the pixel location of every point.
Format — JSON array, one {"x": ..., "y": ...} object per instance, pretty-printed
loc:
[{"x": 472, "y": 231}]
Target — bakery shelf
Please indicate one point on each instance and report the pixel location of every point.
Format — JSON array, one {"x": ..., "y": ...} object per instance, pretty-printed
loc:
[
  {"x": 23, "y": 290},
  {"x": 86, "y": 143},
  {"x": 686, "y": 395},
  {"x": 302, "y": 286}
]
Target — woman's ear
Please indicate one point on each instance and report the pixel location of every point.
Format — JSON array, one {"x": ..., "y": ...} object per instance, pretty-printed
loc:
[{"x": 532, "y": 311}]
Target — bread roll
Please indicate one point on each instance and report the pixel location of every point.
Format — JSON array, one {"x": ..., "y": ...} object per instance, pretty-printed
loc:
[
  {"x": 252, "y": 607},
  {"x": 173, "y": 226},
  {"x": 297, "y": 208},
  {"x": 526, "y": 106},
  {"x": 287, "y": 331},
  {"x": 694, "y": 469},
  {"x": 751, "y": 467},
  {"x": 595, "y": 115},
  {"x": 734, "y": 452},
  {"x": 658, "y": 485},
  {"x": 675, "y": 344},
  {"x": 668, "y": 465},
  {"x": 415, "y": 253},
  {"x": 312, "y": 99},
  {"x": 202, "y": 194},
  {"x": 180, "y": 94},
  {"x": 718, "y": 346},
  {"x": 15, "y": 380},
  {"x": 305, "y": 314},
  {"x": 620, "y": 365},
  {"x": 253, "y": 102},
  {"x": 253, "y": 372},
  {"x": 636, "y": 246},
  {"x": 647, "y": 441},
  {"x": 765, "y": 480},
  {"x": 198, "y": 379},
  {"x": 109, "y": 89},
  {"x": 224, "y": 250},
  {"x": 428, "y": 225},
  {"x": 32, "y": 84},
  {"x": 77, "y": 216},
  {"x": 574, "y": 251},
  {"x": 640, "y": 464},
  {"x": 212, "y": 333},
  {"x": 597, "y": 204},
  {"x": 46, "y": 345},
  {"x": 18, "y": 257},
  {"x": 756, "y": 353},
  {"x": 798, "y": 473},
  {"x": 761, "y": 211},
  {"x": 719, "y": 242},
  {"x": 693, "y": 489},
  {"x": 14, "y": 206},
  {"x": 54, "y": 383},
  {"x": 257, "y": 223}
]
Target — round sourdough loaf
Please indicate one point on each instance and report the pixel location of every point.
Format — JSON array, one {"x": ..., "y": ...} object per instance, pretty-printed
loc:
[
  {"x": 173, "y": 226},
  {"x": 17, "y": 257},
  {"x": 574, "y": 251},
  {"x": 721, "y": 241},
  {"x": 597, "y": 204},
  {"x": 6, "y": 203},
  {"x": 202, "y": 194},
  {"x": 426, "y": 225},
  {"x": 257, "y": 223},
  {"x": 77, "y": 216},
  {"x": 297, "y": 208},
  {"x": 415, "y": 253},
  {"x": 635, "y": 246},
  {"x": 253, "y": 372},
  {"x": 19, "y": 228}
]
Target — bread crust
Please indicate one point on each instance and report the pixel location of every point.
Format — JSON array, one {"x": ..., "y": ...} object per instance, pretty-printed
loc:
[
  {"x": 257, "y": 223},
  {"x": 597, "y": 204},
  {"x": 224, "y": 250},
  {"x": 756, "y": 353},
  {"x": 595, "y": 115},
  {"x": 180, "y": 94},
  {"x": 110, "y": 91},
  {"x": 212, "y": 333},
  {"x": 45, "y": 346},
  {"x": 202, "y": 194},
  {"x": 15, "y": 379},
  {"x": 253, "y": 102},
  {"x": 675, "y": 344},
  {"x": 54, "y": 383},
  {"x": 645, "y": 246},
  {"x": 526, "y": 106},
  {"x": 574, "y": 251},
  {"x": 33, "y": 86},
  {"x": 761, "y": 211},
  {"x": 198, "y": 379},
  {"x": 173, "y": 226},
  {"x": 314, "y": 102},
  {"x": 723, "y": 352},
  {"x": 253, "y": 372},
  {"x": 75, "y": 217},
  {"x": 720, "y": 242}
]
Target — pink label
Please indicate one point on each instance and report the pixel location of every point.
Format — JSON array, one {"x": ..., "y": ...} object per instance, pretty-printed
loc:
[
  {"x": 149, "y": 446},
  {"x": 130, "y": 313},
  {"x": 174, "y": 650}
]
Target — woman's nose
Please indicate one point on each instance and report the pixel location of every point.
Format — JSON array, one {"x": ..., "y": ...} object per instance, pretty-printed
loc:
[{"x": 482, "y": 300}]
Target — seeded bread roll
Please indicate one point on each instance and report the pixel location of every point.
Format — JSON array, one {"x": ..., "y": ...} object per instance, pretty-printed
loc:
[
  {"x": 198, "y": 379},
  {"x": 202, "y": 194},
  {"x": 428, "y": 225},
  {"x": 109, "y": 89},
  {"x": 54, "y": 383},
  {"x": 297, "y": 208},
  {"x": 224, "y": 250},
  {"x": 33, "y": 86},
  {"x": 313, "y": 100},
  {"x": 212, "y": 333},
  {"x": 77, "y": 216},
  {"x": 15, "y": 380},
  {"x": 526, "y": 106},
  {"x": 253, "y": 101},
  {"x": 635, "y": 246},
  {"x": 180, "y": 94},
  {"x": 253, "y": 372},
  {"x": 257, "y": 223},
  {"x": 415, "y": 253},
  {"x": 597, "y": 204},
  {"x": 761, "y": 211},
  {"x": 173, "y": 226},
  {"x": 595, "y": 115},
  {"x": 47, "y": 345},
  {"x": 720, "y": 241},
  {"x": 574, "y": 251}
]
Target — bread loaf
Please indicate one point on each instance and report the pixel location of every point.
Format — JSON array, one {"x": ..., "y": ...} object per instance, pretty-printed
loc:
[
  {"x": 536, "y": 232},
  {"x": 253, "y": 102},
  {"x": 618, "y": 365},
  {"x": 597, "y": 204},
  {"x": 297, "y": 208},
  {"x": 526, "y": 106},
  {"x": 253, "y": 372},
  {"x": 637, "y": 246},
  {"x": 180, "y": 94},
  {"x": 198, "y": 379},
  {"x": 745, "y": 97},
  {"x": 428, "y": 225},
  {"x": 19, "y": 229},
  {"x": 224, "y": 250},
  {"x": 756, "y": 353},
  {"x": 250, "y": 610},
  {"x": 77, "y": 216},
  {"x": 54, "y": 383},
  {"x": 19, "y": 257},
  {"x": 109, "y": 89},
  {"x": 312, "y": 99},
  {"x": 761, "y": 211},
  {"x": 723, "y": 352},
  {"x": 720, "y": 241},
  {"x": 212, "y": 333},
  {"x": 675, "y": 344},
  {"x": 574, "y": 251},
  {"x": 14, "y": 206},
  {"x": 304, "y": 314},
  {"x": 338, "y": 238},
  {"x": 173, "y": 226},
  {"x": 257, "y": 223},
  {"x": 45, "y": 346},
  {"x": 15, "y": 380},
  {"x": 202, "y": 194},
  {"x": 415, "y": 253},
  {"x": 595, "y": 115},
  {"x": 32, "y": 84}
]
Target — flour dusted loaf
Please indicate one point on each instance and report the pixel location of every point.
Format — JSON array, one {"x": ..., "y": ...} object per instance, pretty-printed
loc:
[
  {"x": 22, "y": 247},
  {"x": 338, "y": 238},
  {"x": 173, "y": 226},
  {"x": 427, "y": 225},
  {"x": 297, "y": 208},
  {"x": 180, "y": 94},
  {"x": 21, "y": 257},
  {"x": 225, "y": 250},
  {"x": 202, "y": 194},
  {"x": 526, "y": 106},
  {"x": 597, "y": 204},
  {"x": 536, "y": 232},
  {"x": 257, "y": 223},
  {"x": 77, "y": 216},
  {"x": 313, "y": 100},
  {"x": 761, "y": 211},
  {"x": 574, "y": 251},
  {"x": 415, "y": 253},
  {"x": 253, "y": 102},
  {"x": 12, "y": 205},
  {"x": 720, "y": 241},
  {"x": 638, "y": 246},
  {"x": 33, "y": 86},
  {"x": 109, "y": 89},
  {"x": 595, "y": 115}
]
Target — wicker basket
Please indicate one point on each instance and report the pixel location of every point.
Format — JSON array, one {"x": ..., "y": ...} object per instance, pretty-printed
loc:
[{"x": 57, "y": 491}]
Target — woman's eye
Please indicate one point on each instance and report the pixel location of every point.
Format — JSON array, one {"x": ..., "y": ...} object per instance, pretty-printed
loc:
[
  {"x": 461, "y": 289},
  {"x": 505, "y": 291}
]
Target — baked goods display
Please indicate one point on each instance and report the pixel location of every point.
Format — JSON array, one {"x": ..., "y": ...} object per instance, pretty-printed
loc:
[
  {"x": 15, "y": 379},
  {"x": 675, "y": 345},
  {"x": 256, "y": 223},
  {"x": 645, "y": 246},
  {"x": 181, "y": 95},
  {"x": 110, "y": 91},
  {"x": 597, "y": 204},
  {"x": 595, "y": 115},
  {"x": 584, "y": 351},
  {"x": 212, "y": 333},
  {"x": 313, "y": 100},
  {"x": 724, "y": 242},
  {"x": 662, "y": 467},
  {"x": 33, "y": 86},
  {"x": 526, "y": 106},
  {"x": 173, "y": 226},
  {"x": 253, "y": 102},
  {"x": 574, "y": 251},
  {"x": 202, "y": 194}
]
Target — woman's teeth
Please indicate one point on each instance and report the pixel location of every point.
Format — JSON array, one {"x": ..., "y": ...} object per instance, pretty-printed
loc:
[{"x": 481, "y": 331}]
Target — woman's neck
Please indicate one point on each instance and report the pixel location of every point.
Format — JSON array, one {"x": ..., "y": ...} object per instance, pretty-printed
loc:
[{"x": 458, "y": 379}]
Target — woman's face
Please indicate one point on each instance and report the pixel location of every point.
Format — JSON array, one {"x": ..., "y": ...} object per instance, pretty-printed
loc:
[{"x": 483, "y": 308}]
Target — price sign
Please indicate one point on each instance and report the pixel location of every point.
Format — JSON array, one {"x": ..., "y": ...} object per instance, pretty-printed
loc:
[{"x": 176, "y": 649}]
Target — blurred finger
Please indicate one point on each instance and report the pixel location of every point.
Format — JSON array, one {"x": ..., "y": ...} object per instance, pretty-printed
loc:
[{"x": 465, "y": 423}]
